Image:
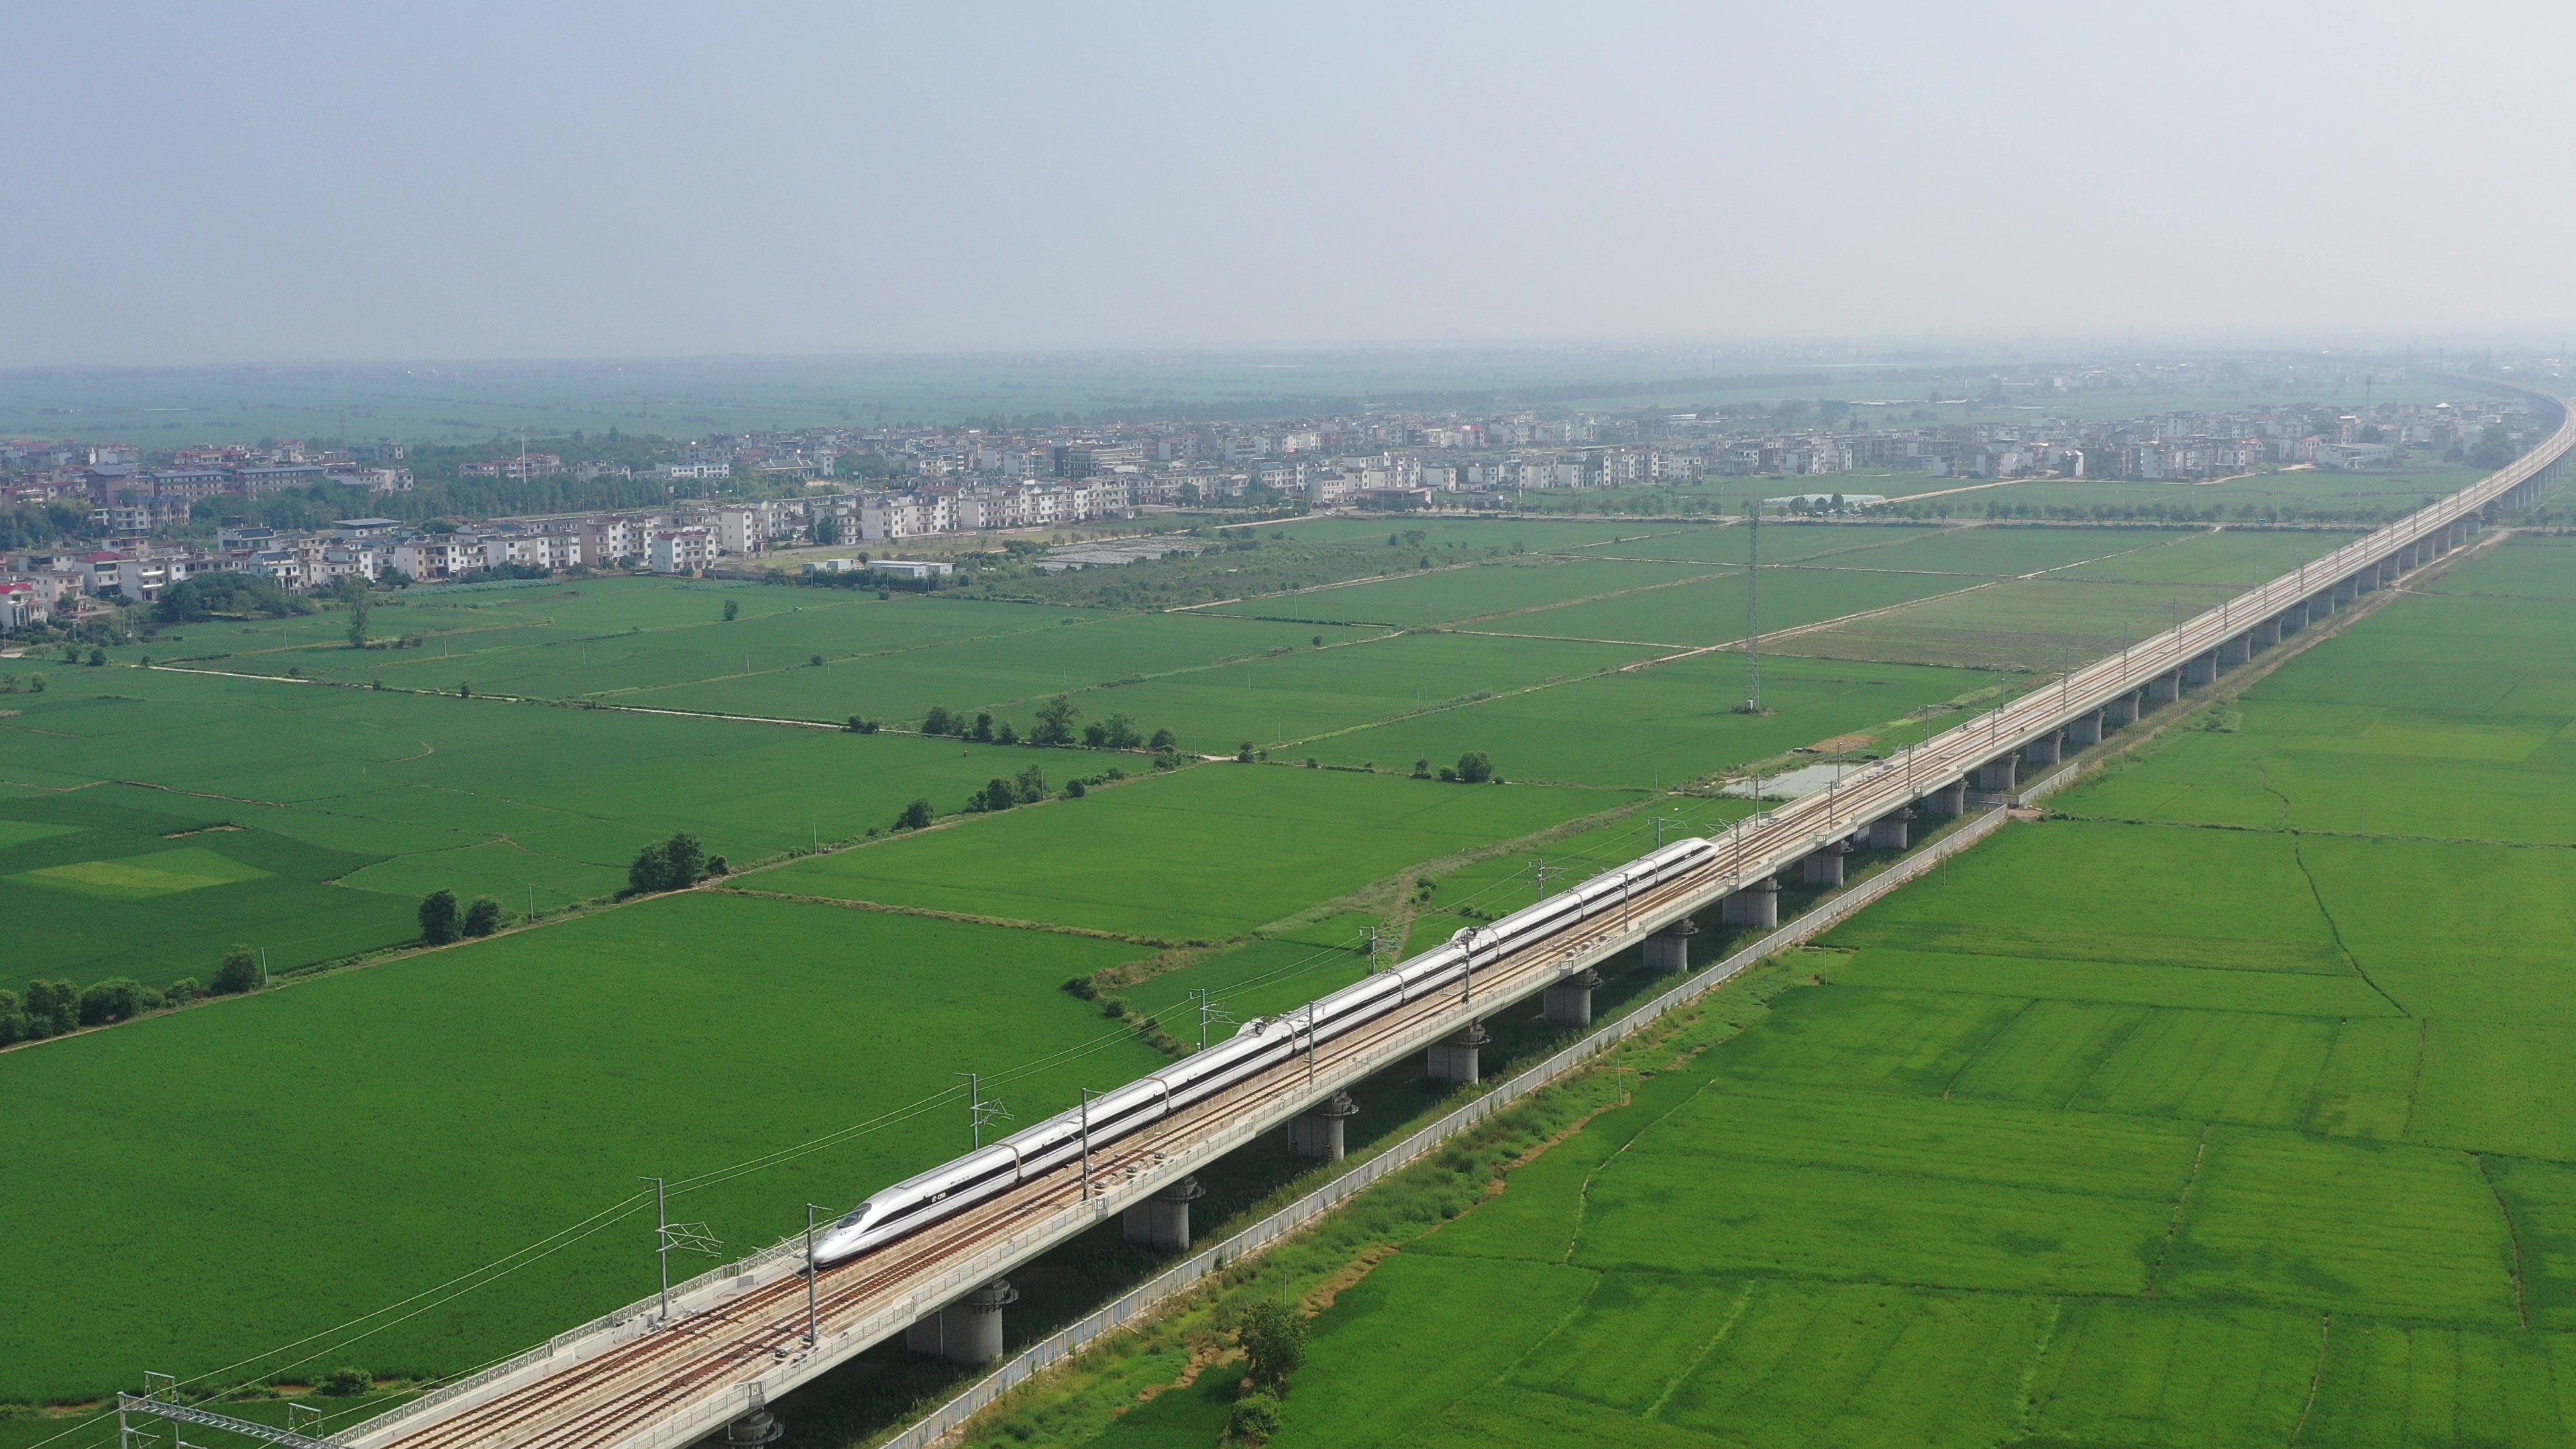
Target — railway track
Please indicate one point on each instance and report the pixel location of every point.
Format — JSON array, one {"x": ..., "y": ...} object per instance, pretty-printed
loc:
[{"x": 643, "y": 1389}]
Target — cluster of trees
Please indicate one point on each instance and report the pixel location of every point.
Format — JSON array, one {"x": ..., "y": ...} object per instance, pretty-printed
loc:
[
  {"x": 674, "y": 865},
  {"x": 1272, "y": 1336},
  {"x": 1027, "y": 789},
  {"x": 51, "y": 1008},
  {"x": 11, "y": 684},
  {"x": 1473, "y": 768},
  {"x": 33, "y": 525},
  {"x": 234, "y": 592},
  {"x": 441, "y": 922},
  {"x": 1054, "y": 728}
]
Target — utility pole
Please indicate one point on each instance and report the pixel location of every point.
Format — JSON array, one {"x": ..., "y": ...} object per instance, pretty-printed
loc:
[
  {"x": 1209, "y": 1013},
  {"x": 811, "y": 1319},
  {"x": 1467, "y": 997},
  {"x": 1753, "y": 614},
  {"x": 690, "y": 1237},
  {"x": 1087, "y": 1094},
  {"x": 1540, "y": 871},
  {"x": 979, "y": 1111}
]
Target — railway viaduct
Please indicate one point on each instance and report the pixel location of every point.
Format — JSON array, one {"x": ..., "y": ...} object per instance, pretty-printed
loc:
[{"x": 747, "y": 1333}]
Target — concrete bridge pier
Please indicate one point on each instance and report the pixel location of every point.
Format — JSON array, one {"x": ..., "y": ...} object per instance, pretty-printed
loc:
[
  {"x": 2201, "y": 672},
  {"x": 757, "y": 1426},
  {"x": 1669, "y": 948},
  {"x": 2041, "y": 751},
  {"x": 2265, "y": 635},
  {"x": 1454, "y": 1061},
  {"x": 2164, "y": 689},
  {"x": 1948, "y": 801},
  {"x": 2346, "y": 592},
  {"x": 2232, "y": 652},
  {"x": 2084, "y": 730},
  {"x": 1569, "y": 1002},
  {"x": 1163, "y": 1220},
  {"x": 1757, "y": 905},
  {"x": 1889, "y": 832},
  {"x": 968, "y": 1330},
  {"x": 1998, "y": 775},
  {"x": 2293, "y": 618},
  {"x": 1317, "y": 1135},
  {"x": 2122, "y": 712},
  {"x": 1825, "y": 867}
]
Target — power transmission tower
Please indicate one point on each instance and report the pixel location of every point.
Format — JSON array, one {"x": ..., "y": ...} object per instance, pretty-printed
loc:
[
  {"x": 687, "y": 1237},
  {"x": 979, "y": 1111}
]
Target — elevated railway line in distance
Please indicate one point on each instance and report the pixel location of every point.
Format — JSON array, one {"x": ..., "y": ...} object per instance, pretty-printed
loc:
[{"x": 749, "y": 1332}]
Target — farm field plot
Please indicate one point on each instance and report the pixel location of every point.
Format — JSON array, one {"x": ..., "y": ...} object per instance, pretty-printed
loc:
[
  {"x": 1718, "y": 610},
  {"x": 387, "y": 796},
  {"x": 532, "y": 631},
  {"x": 1660, "y": 725},
  {"x": 1447, "y": 595},
  {"x": 2005, "y": 551},
  {"x": 1782, "y": 542},
  {"x": 2030, "y": 624},
  {"x": 115, "y": 881},
  {"x": 2450, "y": 716},
  {"x": 1536, "y": 534},
  {"x": 2106, "y": 1133},
  {"x": 340, "y": 1166},
  {"x": 2531, "y": 566},
  {"x": 2244, "y": 557},
  {"x": 2307, "y": 492},
  {"x": 1298, "y": 697},
  {"x": 1206, "y": 854},
  {"x": 888, "y": 658},
  {"x": 1010, "y": 674}
]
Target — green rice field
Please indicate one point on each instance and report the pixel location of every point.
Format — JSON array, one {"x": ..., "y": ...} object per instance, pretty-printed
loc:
[
  {"x": 1205, "y": 854},
  {"x": 315, "y": 1152},
  {"x": 2227, "y": 1107},
  {"x": 2202, "y": 1064}
]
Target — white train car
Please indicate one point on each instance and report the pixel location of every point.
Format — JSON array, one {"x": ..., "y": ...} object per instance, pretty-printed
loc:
[{"x": 950, "y": 1188}]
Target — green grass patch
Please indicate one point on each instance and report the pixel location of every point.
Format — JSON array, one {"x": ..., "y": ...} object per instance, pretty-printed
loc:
[
  {"x": 2354, "y": 1227},
  {"x": 342, "y": 1143},
  {"x": 1658, "y": 726},
  {"x": 1205, "y": 854},
  {"x": 1444, "y": 596},
  {"x": 141, "y": 877},
  {"x": 2036, "y": 624}
]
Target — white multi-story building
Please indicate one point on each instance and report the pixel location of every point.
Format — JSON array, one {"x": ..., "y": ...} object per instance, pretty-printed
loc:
[
  {"x": 741, "y": 530},
  {"x": 438, "y": 555},
  {"x": 683, "y": 550}
]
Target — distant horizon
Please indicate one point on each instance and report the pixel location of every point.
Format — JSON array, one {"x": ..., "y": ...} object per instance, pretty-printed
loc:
[
  {"x": 475, "y": 181},
  {"x": 1890, "y": 352}
]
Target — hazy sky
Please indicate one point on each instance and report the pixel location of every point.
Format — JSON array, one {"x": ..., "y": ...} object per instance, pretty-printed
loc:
[{"x": 195, "y": 183}]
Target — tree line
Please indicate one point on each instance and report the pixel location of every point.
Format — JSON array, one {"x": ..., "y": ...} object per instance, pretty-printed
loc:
[{"x": 51, "y": 1008}]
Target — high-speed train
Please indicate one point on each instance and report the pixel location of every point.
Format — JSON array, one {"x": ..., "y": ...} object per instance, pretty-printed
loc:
[{"x": 917, "y": 1202}]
